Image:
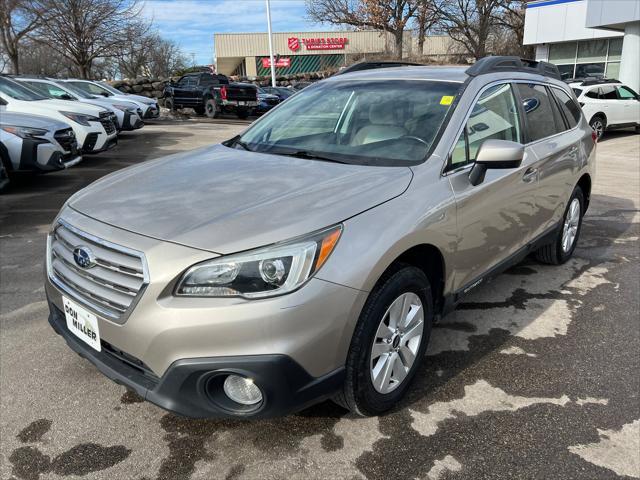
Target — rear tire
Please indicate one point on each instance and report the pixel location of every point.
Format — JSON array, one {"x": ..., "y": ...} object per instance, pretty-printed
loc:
[
  {"x": 211, "y": 109},
  {"x": 389, "y": 342},
  {"x": 599, "y": 125},
  {"x": 199, "y": 110},
  {"x": 5, "y": 178},
  {"x": 561, "y": 249}
]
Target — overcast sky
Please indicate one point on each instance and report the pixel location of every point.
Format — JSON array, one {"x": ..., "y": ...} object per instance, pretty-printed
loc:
[{"x": 192, "y": 23}]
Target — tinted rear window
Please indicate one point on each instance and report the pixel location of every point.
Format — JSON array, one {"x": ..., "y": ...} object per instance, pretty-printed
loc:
[
  {"x": 568, "y": 106},
  {"x": 539, "y": 113}
]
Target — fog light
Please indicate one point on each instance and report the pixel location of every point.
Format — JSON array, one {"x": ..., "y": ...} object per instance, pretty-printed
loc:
[{"x": 242, "y": 390}]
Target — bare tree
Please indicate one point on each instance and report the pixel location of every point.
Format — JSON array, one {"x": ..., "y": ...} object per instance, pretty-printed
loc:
[
  {"x": 164, "y": 58},
  {"x": 132, "y": 52},
  {"x": 18, "y": 18},
  {"x": 387, "y": 15},
  {"x": 426, "y": 17},
  {"x": 512, "y": 20},
  {"x": 43, "y": 59},
  {"x": 469, "y": 22},
  {"x": 86, "y": 30}
]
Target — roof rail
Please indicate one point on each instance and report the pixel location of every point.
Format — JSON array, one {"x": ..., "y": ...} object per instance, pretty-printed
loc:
[
  {"x": 357, "y": 67},
  {"x": 599, "y": 81},
  {"x": 513, "y": 64}
]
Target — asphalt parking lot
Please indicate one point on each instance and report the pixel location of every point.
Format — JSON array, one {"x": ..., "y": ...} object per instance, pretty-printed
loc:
[{"x": 535, "y": 376}]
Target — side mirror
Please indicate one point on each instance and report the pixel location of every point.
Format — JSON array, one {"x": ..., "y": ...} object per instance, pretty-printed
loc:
[
  {"x": 495, "y": 154},
  {"x": 66, "y": 96},
  {"x": 105, "y": 94}
]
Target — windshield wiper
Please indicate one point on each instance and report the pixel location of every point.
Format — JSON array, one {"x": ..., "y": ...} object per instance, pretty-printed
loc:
[
  {"x": 308, "y": 155},
  {"x": 236, "y": 141}
]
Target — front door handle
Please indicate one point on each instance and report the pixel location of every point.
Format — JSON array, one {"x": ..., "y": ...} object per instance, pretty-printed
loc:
[{"x": 530, "y": 175}]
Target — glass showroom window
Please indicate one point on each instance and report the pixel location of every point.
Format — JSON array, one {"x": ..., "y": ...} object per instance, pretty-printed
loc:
[{"x": 591, "y": 58}]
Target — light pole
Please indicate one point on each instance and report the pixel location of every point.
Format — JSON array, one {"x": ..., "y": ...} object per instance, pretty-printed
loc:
[{"x": 271, "y": 59}]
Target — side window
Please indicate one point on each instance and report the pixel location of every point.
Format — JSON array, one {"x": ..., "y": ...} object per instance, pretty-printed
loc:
[
  {"x": 539, "y": 111},
  {"x": 593, "y": 93},
  {"x": 494, "y": 116},
  {"x": 625, "y": 93},
  {"x": 568, "y": 106},
  {"x": 608, "y": 93},
  {"x": 183, "y": 82}
]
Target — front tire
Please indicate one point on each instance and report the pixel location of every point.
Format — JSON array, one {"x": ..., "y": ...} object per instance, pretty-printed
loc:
[
  {"x": 599, "y": 125},
  {"x": 5, "y": 179},
  {"x": 561, "y": 249},
  {"x": 389, "y": 342}
]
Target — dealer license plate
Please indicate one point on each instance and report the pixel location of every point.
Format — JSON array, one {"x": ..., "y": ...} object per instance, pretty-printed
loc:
[{"x": 82, "y": 323}]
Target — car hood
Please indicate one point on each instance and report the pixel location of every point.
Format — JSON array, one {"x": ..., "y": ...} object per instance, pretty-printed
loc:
[
  {"x": 140, "y": 98},
  {"x": 32, "y": 121},
  {"x": 225, "y": 200},
  {"x": 71, "y": 106}
]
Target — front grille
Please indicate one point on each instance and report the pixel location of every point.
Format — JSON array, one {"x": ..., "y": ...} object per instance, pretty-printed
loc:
[
  {"x": 107, "y": 122},
  {"x": 111, "y": 287},
  {"x": 66, "y": 139}
]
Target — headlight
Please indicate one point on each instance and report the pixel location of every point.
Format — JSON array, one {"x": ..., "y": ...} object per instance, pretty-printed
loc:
[
  {"x": 24, "y": 132},
  {"x": 80, "y": 118},
  {"x": 265, "y": 272}
]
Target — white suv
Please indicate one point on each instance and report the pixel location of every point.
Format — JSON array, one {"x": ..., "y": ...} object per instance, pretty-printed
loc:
[
  {"x": 608, "y": 104},
  {"x": 126, "y": 115},
  {"x": 149, "y": 106},
  {"x": 92, "y": 125}
]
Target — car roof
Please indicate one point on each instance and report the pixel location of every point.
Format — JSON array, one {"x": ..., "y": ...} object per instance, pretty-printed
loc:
[{"x": 453, "y": 74}]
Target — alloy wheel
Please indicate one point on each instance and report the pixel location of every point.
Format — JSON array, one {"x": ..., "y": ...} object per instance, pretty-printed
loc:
[
  {"x": 571, "y": 224},
  {"x": 598, "y": 127},
  {"x": 397, "y": 342}
]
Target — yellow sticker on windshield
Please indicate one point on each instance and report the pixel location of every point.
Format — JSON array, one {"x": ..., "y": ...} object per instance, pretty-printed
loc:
[{"x": 446, "y": 100}]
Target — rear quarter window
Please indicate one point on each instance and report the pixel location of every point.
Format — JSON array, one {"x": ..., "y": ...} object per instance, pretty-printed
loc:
[
  {"x": 541, "y": 119},
  {"x": 569, "y": 108}
]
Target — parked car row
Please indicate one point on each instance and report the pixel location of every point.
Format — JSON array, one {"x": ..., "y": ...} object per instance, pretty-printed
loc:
[{"x": 47, "y": 124}]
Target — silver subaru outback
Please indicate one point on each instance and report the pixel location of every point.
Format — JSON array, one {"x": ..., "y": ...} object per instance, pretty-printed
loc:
[{"x": 309, "y": 257}]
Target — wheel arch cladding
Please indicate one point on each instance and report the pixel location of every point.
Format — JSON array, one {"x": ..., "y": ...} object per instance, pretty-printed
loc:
[
  {"x": 585, "y": 185},
  {"x": 430, "y": 260}
]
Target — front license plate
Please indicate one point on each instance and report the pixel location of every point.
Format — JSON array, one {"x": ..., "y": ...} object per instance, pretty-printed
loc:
[{"x": 82, "y": 323}]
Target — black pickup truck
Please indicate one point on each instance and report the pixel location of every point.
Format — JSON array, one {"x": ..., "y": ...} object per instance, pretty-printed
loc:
[{"x": 211, "y": 94}]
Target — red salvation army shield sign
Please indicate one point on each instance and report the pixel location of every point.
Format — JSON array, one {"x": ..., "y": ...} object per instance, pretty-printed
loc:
[{"x": 293, "y": 43}]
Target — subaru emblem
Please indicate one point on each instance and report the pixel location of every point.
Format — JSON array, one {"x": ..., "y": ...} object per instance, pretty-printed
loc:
[{"x": 84, "y": 257}]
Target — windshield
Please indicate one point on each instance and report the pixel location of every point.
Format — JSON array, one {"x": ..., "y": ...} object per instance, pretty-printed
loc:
[
  {"x": 19, "y": 92},
  {"x": 363, "y": 122},
  {"x": 76, "y": 91},
  {"x": 109, "y": 88},
  {"x": 90, "y": 88}
]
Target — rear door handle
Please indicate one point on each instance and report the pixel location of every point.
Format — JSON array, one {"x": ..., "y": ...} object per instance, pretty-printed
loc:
[{"x": 530, "y": 175}]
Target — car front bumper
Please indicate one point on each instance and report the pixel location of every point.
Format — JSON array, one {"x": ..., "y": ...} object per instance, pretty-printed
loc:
[
  {"x": 187, "y": 387},
  {"x": 293, "y": 346}
]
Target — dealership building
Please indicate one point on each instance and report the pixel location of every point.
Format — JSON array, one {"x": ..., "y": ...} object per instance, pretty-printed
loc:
[
  {"x": 587, "y": 37},
  {"x": 303, "y": 52}
]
